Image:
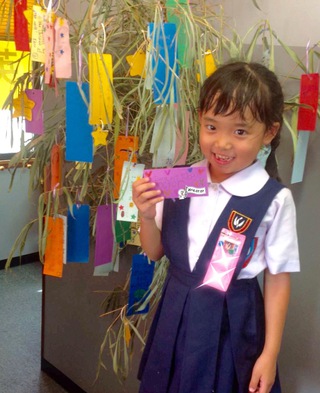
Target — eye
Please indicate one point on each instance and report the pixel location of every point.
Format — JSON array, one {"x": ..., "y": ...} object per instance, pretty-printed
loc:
[
  {"x": 240, "y": 132},
  {"x": 210, "y": 127}
]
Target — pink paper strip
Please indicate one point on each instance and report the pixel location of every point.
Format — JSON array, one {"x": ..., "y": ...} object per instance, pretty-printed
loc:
[
  {"x": 48, "y": 37},
  {"x": 35, "y": 126},
  {"x": 62, "y": 51}
]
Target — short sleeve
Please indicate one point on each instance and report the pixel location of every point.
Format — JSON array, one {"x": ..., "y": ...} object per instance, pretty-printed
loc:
[{"x": 281, "y": 242}]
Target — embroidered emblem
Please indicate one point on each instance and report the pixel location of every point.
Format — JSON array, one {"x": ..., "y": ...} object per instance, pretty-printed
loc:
[
  {"x": 252, "y": 248},
  {"x": 238, "y": 222}
]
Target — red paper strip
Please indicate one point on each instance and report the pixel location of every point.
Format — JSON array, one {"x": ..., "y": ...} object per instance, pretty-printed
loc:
[
  {"x": 56, "y": 167},
  {"x": 309, "y": 92},
  {"x": 21, "y": 35}
]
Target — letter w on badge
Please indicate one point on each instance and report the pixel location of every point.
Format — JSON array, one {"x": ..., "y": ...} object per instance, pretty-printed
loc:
[{"x": 238, "y": 222}]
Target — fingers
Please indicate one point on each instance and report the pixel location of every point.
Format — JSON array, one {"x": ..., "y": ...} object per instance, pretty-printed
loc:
[{"x": 146, "y": 197}]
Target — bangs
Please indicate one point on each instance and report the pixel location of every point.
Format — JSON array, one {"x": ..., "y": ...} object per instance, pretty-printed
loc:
[{"x": 228, "y": 93}]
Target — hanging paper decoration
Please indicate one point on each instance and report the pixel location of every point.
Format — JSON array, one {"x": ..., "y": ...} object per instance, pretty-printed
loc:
[
  {"x": 122, "y": 231},
  {"x": 163, "y": 53},
  {"x": 79, "y": 146},
  {"x": 134, "y": 234},
  {"x": 141, "y": 278},
  {"x": 126, "y": 149},
  {"x": 307, "y": 117},
  {"x": 55, "y": 247},
  {"x": 99, "y": 137},
  {"x": 56, "y": 166},
  {"x": 101, "y": 96},
  {"x": 62, "y": 50},
  {"x": 104, "y": 234},
  {"x": 21, "y": 34},
  {"x": 78, "y": 234},
  {"x": 9, "y": 57},
  {"x": 182, "y": 143},
  {"x": 209, "y": 64},
  {"x": 163, "y": 143},
  {"x": 48, "y": 38},
  {"x": 137, "y": 63},
  {"x": 106, "y": 268},
  {"x": 38, "y": 46},
  {"x": 309, "y": 93},
  {"x": 127, "y": 210},
  {"x": 176, "y": 10},
  {"x": 23, "y": 106},
  {"x": 35, "y": 125}
]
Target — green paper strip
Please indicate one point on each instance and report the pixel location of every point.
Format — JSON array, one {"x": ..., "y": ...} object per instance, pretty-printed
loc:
[
  {"x": 300, "y": 157},
  {"x": 176, "y": 14}
]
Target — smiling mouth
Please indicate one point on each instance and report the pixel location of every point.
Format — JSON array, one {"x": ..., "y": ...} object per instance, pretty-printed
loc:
[{"x": 221, "y": 158}]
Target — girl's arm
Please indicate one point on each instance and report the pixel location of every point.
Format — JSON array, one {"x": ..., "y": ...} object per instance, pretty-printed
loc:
[
  {"x": 276, "y": 300},
  {"x": 145, "y": 198}
]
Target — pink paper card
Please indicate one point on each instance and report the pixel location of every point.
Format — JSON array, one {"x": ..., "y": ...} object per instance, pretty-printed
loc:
[
  {"x": 309, "y": 91},
  {"x": 182, "y": 182},
  {"x": 224, "y": 260}
]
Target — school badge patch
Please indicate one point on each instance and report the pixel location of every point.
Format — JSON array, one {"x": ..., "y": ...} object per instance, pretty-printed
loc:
[{"x": 238, "y": 222}]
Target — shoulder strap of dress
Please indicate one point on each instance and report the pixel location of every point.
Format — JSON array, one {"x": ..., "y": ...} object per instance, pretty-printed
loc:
[{"x": 242, "y": 215}]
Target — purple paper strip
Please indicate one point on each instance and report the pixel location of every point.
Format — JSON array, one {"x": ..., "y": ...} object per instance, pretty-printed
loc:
[
  {"x": 35, "y": 126},
  {"x": 104, "y": 234},
  {"x": 181, "y": 182}
]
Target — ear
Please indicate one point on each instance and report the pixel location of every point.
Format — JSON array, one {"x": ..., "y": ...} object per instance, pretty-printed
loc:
[{"x": 271, "y": 133}]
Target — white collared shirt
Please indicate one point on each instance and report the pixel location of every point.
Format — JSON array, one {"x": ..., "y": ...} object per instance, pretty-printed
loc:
[{"x": 277, "y": 244}]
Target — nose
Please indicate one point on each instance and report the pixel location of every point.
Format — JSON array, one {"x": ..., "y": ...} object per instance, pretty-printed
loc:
[{"x": 223, "y": 142}]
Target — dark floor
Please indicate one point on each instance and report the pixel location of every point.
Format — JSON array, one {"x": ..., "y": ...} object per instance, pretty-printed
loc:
[{"x": 20, "y": 332}]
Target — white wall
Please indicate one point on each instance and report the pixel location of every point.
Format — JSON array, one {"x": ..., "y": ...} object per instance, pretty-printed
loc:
[
  {"x": 16, "y": 210},
  {"x": 295, "y": 21}
]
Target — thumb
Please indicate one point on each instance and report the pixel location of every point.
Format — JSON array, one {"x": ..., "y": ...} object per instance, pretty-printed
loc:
[{"x": 254, "y": 384}]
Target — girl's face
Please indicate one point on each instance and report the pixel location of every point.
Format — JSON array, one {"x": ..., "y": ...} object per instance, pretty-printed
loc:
[{"x": 231, "y": 143}]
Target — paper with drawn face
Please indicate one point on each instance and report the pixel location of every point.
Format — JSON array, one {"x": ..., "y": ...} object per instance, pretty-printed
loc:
[{"x": 182, "y": 182}]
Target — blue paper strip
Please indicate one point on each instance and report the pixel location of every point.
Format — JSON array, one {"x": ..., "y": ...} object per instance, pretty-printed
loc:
[
  {"x": 78, "y": 234},
  {"x": 164, "y": 62},
  {"x": 141, "y": 278},
  {"x": 79, "y": 143},
  {"x": 300, "y": 157}
]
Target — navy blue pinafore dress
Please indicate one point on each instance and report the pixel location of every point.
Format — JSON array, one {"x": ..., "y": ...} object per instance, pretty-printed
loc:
[{"x": 203, "y": 340}]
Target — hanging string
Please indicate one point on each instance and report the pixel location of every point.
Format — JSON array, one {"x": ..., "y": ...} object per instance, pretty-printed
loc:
[
  {"x": 80, "y": 60},
  {"x": 307, "y": 56}
]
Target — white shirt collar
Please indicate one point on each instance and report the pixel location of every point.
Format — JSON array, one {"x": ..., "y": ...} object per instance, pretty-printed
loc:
[{"x": 244, "y": 183}]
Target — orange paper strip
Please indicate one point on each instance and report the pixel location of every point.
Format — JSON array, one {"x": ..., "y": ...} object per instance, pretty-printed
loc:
[
  {"x": 125, "y": 150},
  {"x": 56, "y": 166},
  {"x": 54, "y": 253}
]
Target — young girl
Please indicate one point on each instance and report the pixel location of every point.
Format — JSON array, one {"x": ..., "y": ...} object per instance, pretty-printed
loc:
[{"x": 203, "y": 339}]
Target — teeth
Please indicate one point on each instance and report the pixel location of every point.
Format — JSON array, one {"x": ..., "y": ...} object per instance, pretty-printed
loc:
[{"x": 224, "y": 158}]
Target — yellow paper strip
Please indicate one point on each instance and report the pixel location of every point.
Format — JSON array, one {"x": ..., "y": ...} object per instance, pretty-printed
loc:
[
  {"x": 101, "y": 97},
  {"x": 37, "y": 46},
  {"x": 9, "y": 59}
]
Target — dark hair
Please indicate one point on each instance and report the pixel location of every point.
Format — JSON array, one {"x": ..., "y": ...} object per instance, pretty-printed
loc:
[{"x": 236, "y": 86}]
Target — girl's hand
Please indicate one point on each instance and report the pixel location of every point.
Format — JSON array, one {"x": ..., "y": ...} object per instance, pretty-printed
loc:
[
  {"x": 263, "y": 374},
  {"x": 146, "y": 198}
]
